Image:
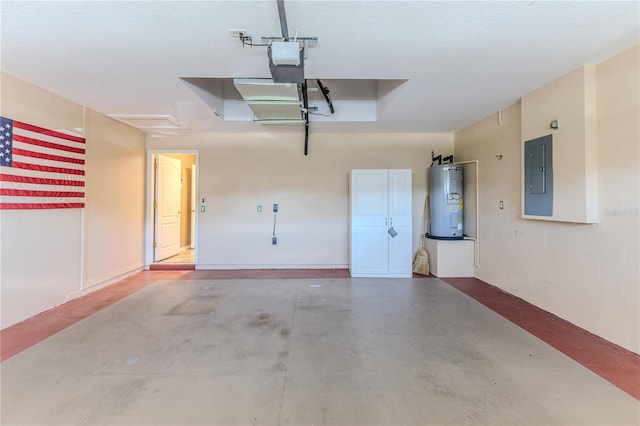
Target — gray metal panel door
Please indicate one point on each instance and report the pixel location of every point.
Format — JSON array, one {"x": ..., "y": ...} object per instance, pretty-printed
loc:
[{"x": 538, "y": 176}]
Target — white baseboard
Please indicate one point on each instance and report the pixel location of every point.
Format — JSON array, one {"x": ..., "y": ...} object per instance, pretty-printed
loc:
[
  {"x": 381, "y": 275},
  {"x": 205, "y": 266},
  {"x": 105, "y": 280}
]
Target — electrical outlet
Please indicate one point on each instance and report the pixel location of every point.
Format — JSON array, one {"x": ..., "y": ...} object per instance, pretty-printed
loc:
[
  {"x": 236, "y": 33},
  {"x": 274, "y": 241},
  {"x": 275, "y": 208}
]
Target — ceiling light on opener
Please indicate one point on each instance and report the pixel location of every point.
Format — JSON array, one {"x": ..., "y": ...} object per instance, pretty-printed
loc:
[{"x": 285, "y": 53}]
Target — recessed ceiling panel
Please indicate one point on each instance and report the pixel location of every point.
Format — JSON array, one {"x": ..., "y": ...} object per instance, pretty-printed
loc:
[
  {"x": 149, "y": 121},
  {"x": 269, "y": 110},
  {"x": 264, "y": 89}
]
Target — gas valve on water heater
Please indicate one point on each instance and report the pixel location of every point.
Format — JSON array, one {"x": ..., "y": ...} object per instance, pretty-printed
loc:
[{"x": 446, "y": 200}]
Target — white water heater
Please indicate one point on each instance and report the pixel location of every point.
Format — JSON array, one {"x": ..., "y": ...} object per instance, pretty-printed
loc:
[{"x": 446, "y": 202}]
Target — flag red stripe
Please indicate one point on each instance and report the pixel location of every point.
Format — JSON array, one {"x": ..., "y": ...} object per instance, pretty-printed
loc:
[
  {"x": 38, "y": 142},
  {"x": 26, "y": 206},
  {"x": 40, "y": 181},
  {"x": 47, "y": 168},
  {"x": 31, "y": 127},
  {"x": 33, "y": 154},
  {"x": 33, "y": 193}
]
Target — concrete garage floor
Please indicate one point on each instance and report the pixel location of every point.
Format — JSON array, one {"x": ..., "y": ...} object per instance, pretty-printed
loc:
[{"x": 302, "y": 351}]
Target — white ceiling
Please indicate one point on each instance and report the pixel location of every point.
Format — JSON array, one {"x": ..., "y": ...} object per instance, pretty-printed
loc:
[{"x": 462, "y": 60}]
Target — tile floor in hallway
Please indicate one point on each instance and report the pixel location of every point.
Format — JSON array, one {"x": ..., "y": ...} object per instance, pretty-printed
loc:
[
  {"x": 191, "y": 349},
  {"x": 185, "y": 256}
]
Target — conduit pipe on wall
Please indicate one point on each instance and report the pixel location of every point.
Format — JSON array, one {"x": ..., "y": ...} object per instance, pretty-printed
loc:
[
  {"x": 476, "y": 239},
  {"x": 305, "y": 114}
]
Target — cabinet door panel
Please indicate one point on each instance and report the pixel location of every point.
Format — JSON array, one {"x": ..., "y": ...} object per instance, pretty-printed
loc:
[
  {"x": 369, "y": 207},
  {"x": 370, "y": 254},
  {"x": 400, "y": 246}
]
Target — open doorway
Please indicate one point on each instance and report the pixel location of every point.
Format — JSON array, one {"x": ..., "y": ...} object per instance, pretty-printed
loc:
[{"x": 172, "y": 231}]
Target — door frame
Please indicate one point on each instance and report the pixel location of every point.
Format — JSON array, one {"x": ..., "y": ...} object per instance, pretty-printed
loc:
[{"x": 149, "y": 196}]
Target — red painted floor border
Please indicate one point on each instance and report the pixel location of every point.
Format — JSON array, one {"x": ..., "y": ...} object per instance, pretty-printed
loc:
[
  {"x": 611, "y": 362},
  {"x": 234, "y": 274},
  {"x": 23, "y": 335},
  {"x": 172, "y": 267}
]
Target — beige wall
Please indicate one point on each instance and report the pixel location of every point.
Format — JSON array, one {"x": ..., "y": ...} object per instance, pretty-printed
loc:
[
  {"x": 571, "y": 100},
  {"x": 51, "y": 256},
  {"x": 587, "y": 274},
  {"x": 115, "y": 198},
  {"x": 238, "y": 172}
]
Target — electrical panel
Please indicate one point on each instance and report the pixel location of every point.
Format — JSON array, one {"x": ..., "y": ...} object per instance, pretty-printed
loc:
[{"x": 538, "y": 176}]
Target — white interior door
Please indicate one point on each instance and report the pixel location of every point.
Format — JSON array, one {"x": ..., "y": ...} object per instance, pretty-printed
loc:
[
  {"x": 167, "y": 208},
  {"x": 194, "y": 198},
  {"x": 369, "y": 207},
  {"x": 400, "y": 246}
]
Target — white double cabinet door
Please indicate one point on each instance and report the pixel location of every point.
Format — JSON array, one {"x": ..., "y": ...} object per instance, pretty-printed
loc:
[{"x": 380, "y": 219}]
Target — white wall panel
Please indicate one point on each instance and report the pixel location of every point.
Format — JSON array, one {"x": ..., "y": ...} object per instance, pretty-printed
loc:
[{"x": 41, "y": 260}]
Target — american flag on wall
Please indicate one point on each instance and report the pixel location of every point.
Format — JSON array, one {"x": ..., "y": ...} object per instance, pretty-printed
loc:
[{"x": 40, "y": 168}]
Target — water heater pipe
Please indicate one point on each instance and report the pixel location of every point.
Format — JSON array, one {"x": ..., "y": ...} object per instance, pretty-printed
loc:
[{"x": 477, "y": 237}]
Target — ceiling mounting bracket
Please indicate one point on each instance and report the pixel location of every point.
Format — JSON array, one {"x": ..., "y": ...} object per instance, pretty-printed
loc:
[{"x": 283, "y": 20}]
